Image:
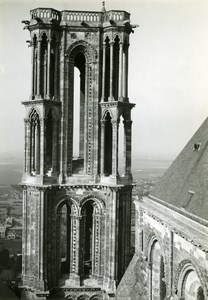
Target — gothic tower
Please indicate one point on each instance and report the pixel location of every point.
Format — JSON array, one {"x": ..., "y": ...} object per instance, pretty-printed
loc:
[{"x": 76, "y": 194}]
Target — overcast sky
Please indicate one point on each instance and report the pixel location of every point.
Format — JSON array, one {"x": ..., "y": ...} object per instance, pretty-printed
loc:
[{"x": 168, "y": 70}]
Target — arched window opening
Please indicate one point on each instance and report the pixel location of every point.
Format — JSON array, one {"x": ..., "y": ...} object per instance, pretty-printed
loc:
[
  {"x": 86, "y": 239},
  {"x": 157, "y": 273},
  {"x": 79, "y": 113},
  {"x": 191, "y": 288},
  {"x": 121, "y": 147},
  {"x": 107, "y": 69},
  {"x": 65, "y": 239},
  {"x": 76, "y": 120},
  {"x": 43, "y": 66},
  {"x": 49, "y": 142},
  {"x": 115, "y": 67},
  {"x": 108, "y": 146},
  {"x": 34, "y": 143}
]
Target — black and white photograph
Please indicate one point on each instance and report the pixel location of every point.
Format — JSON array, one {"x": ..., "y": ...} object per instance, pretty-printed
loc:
[{"x": 104, "y": 150}]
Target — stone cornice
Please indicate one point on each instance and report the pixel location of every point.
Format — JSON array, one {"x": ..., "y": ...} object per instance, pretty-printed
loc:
[
  {"x": 67, "y": 187},
  {"x": 159, "y": 217},
  {"x": 117, "y": 104},
  {"x": 181, "y": 211},
  {"x": 41, "y": 101}
]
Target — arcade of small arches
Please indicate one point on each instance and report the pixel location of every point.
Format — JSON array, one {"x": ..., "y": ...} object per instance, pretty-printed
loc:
[
  {"x": 79, "y": 228},
  {"x": 113, "y": 131},
  {"x": 45, "y": 66},
  {"x": 115, "y": 69},
  {"x": 41, "y": 135},
  {"x": 189, "y": 283}
]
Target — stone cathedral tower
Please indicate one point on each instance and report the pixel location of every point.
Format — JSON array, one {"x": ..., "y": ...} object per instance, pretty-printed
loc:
[{"x": 77, "y": 206}]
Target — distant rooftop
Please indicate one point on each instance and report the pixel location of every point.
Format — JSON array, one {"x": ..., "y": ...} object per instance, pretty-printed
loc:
[{"x": 185, "y": 183}]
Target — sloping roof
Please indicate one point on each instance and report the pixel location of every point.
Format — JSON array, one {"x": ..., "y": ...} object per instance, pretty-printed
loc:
[{"x": 185, "y": 183}]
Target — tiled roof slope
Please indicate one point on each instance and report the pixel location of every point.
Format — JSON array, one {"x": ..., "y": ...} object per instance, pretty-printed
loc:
[{"x": 185, "y": 183}]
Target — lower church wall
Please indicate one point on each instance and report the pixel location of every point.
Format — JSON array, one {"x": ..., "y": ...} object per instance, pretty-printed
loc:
[{"x": 182, "y": 274}]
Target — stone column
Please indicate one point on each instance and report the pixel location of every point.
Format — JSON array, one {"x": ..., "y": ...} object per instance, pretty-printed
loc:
[
  {"x": 27, "y": 145},
  {"x": 76, "y": 241},
  {"x": 120, "y": 82},
  {"x": 150, "y": 280},
  {"x": 32, "y": 146},
  {"x": 56, "y": 72},
  {"x": 102, "y": 154},
  {"x": 96, "y": 245},
  {"x": 127, "y": 147},
  {"x": 37, "y": 148},
  {"x": 33, "y": 71},
  {"x": 111, "y": 71},
  {"x": 39, "y": 68},
  {"x": 104, "y": 70},
  {"x": 48, "y": 69},
  {"x": 45, "y": 75},
  {"x": 115, "y": 125},
  {"x": 125, "y": 72},
  {"x": 54, "y": 148},
  {"x": 42, "y": 145}
]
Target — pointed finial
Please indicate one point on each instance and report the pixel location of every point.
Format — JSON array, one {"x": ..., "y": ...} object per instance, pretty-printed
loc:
[{"x": 103, "y": 8}]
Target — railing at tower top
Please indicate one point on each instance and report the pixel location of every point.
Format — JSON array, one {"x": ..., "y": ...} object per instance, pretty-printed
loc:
[
  {"x": 75, "y": 17},
  {"x": 79, "y": 16},
  {"x": 45, "y": 14}
]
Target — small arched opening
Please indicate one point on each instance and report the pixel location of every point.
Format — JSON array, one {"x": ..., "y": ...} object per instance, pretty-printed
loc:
[
  {"x": 34, "y": 142},
  {"x": 86, "y": 239},
  {"x": 107, "y": 69},
  {"x": 191, "y": 287},
  {"x": 43, "y": 66},
  {"x": 115, "y": 67},
  {"x": 65, "y": 239},
  {"x": 157, "y": 287},
  {"x": 121, "y": 141},
  {"x": 49, "y": 141},
  {"x": 108, "y": 146}
]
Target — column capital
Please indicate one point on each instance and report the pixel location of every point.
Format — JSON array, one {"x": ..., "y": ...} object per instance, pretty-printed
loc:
[
  {"x": 103, "y": 122},
  {"x": 27, "y": 120},
  {"x": 127, "y": 122},
  {"x": 75, "y": 217},
  {"x": 115, "y": 122}
]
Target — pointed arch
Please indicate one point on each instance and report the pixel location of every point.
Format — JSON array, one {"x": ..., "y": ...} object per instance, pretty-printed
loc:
[
  {"x": 157, "y": 268},
  {"x": 185, "y": 268},
  {"x": 82, "y": 46},
  {"x": 91, "y": 225}
]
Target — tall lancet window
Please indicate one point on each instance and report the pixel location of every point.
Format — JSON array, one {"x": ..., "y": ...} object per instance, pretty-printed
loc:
[
  {"x": 106, "y": 87},
  {"x": 34, "y": 143},
  {"x": 43, "y": 66},
  {"x": 115, "y": 67},
  {"x": 86, "y": 239},
  {"x": 79, "y": 113},
  {"x": 108, "y": 146}
]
